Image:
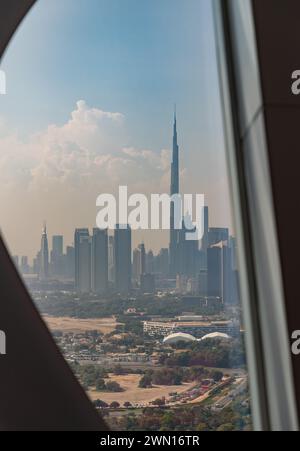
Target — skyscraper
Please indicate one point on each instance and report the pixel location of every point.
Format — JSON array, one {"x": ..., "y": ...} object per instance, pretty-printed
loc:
[
  {"x": 78, "y": 234},
  {"x": 84, "y": 264},
  {"x": 205, "y": 238},
  {"x": 214, "y": 272},
  {"x": 122, "y": 248},
  {"x": 44, "y": 255},
  {"x": 57, "y": 255},
  {"x": 136, "y": 265},
  {"x": 220, "y": 275},
  {"x": 187, "y": 251},
  {"x": 174, "y": 190},
  {"x": 70, "y": 262},
  {"x": 111, "y": 259},
  {"x": 99, "y": 261},
  {"x": 139, "y": 263}
]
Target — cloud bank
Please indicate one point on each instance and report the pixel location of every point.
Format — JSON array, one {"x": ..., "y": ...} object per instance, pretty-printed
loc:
[{"x": 57, "y": 174}]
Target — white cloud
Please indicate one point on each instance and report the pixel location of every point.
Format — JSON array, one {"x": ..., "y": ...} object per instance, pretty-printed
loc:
[
  {"x": 87, "y": 148},
  {"x": 58, "y": 173}
]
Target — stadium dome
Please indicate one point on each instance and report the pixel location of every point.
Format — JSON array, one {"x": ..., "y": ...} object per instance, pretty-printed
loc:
[
  {"x": 176, "y": 338},
  {"x": 215, "y": 335}
]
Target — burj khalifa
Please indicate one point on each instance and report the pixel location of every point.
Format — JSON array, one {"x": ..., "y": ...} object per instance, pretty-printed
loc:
[{"x": 174, "y": 190}]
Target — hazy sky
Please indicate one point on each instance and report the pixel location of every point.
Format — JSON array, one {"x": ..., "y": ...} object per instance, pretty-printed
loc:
[{"x": 91, "y": 86}]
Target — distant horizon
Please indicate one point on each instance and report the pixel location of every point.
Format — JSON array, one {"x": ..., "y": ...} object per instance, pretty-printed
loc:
[{"x": 135, "y": 240}]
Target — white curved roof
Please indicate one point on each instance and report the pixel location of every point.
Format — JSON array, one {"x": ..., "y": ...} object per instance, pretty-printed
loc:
[
  {"x": 216, "y": 335},
  {"x": 173, "y": 338}
]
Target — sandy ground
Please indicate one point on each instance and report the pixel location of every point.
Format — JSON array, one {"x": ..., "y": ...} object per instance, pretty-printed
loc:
[
  {"x": 66, "y": 324},
  {"x": 134, "y": 394}
]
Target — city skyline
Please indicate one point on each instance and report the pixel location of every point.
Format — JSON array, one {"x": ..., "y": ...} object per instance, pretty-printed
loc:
[{"x": 103, "y": 120}]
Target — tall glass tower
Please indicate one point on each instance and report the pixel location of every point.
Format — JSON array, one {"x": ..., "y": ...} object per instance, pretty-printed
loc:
[
  {"x": 44, "y": 255},
  {"x": 174, "y": 190}
]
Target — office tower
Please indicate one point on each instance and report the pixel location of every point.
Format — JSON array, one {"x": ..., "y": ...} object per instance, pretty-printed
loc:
[
  {"x": 205, "y": 239},
  {"x": 111, "y": 259},
  {"x": 70, "y": 262},
  {"x": 220, "y": 278},
  {"x": 122, "y": 247},
  {"x": 99, "y": 261},
  {"x": 147, "y": 283},
  {"x": 174, "y": 190},
  {"x": 44, "y": 256},
  {"x": 139, "y": 263},
  {"x": 161, "y": 264},
  {"x": 84, "y": 248},
  {"x": 136, "y": 271},
  {"x": 217, "y": 234},
  {"x": 150, "y": 262},
  {"x": 57, "y": 245},
  {"x": 214, "y": 272},
  {"x": 78, "y": 234},
  {"x": 142, "y": 250},
  {"x": 187, "y": 251},
  {"x": 202, "y": 256},
  {"x": 57, "y": 255}
]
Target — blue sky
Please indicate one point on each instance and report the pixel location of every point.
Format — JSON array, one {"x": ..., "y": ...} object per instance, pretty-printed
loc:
[{"x": 135, "y": 57}]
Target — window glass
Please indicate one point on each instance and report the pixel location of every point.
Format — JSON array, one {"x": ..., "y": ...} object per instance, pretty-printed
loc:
[{"x": 110, "y": 108}]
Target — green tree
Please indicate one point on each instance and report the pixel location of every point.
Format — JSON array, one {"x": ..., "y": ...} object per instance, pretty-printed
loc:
[
  {"x": 113, "y": 386},
  {"x": 100, "y": 385}
]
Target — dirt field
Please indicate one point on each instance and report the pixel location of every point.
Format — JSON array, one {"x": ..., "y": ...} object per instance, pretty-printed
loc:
[
  {"x": 134, "y": 394},
  {"x": 66, "y": 324}
]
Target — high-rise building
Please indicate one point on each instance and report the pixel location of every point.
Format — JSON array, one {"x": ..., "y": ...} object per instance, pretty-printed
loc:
[
  {"x": 111, "y": 259},
  {"x": 150, "y": 262},
  {"x": 57, "y": 255},
  {"x": 77, "y": 236},
  {"x": 136, "y": 270},
  {"x": 139, "y": 263},
  {"x": 84, "y": 264},
  {"x": 44, "y": 255},
  {"x": 161, "y": 264},
  {"x": 57, "y": 244},
  {"x": 205, "y": 238},
  {"x": 142, "y": 258},
  {"x": 187, "y": 251},
  {"x": 70, "y": 262},
  {"x": 174, "y": 190},
  {"x": 214, "y": 272},
  {"x": 99, "y": 261},
  {"x": 122, "y": 252},
  {"x": 220, "y": 274}
]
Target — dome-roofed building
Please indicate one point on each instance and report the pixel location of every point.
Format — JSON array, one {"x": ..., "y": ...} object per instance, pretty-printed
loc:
[
  {"x": 215, "y": 335},
  {"x": 176, "y": 338}
]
